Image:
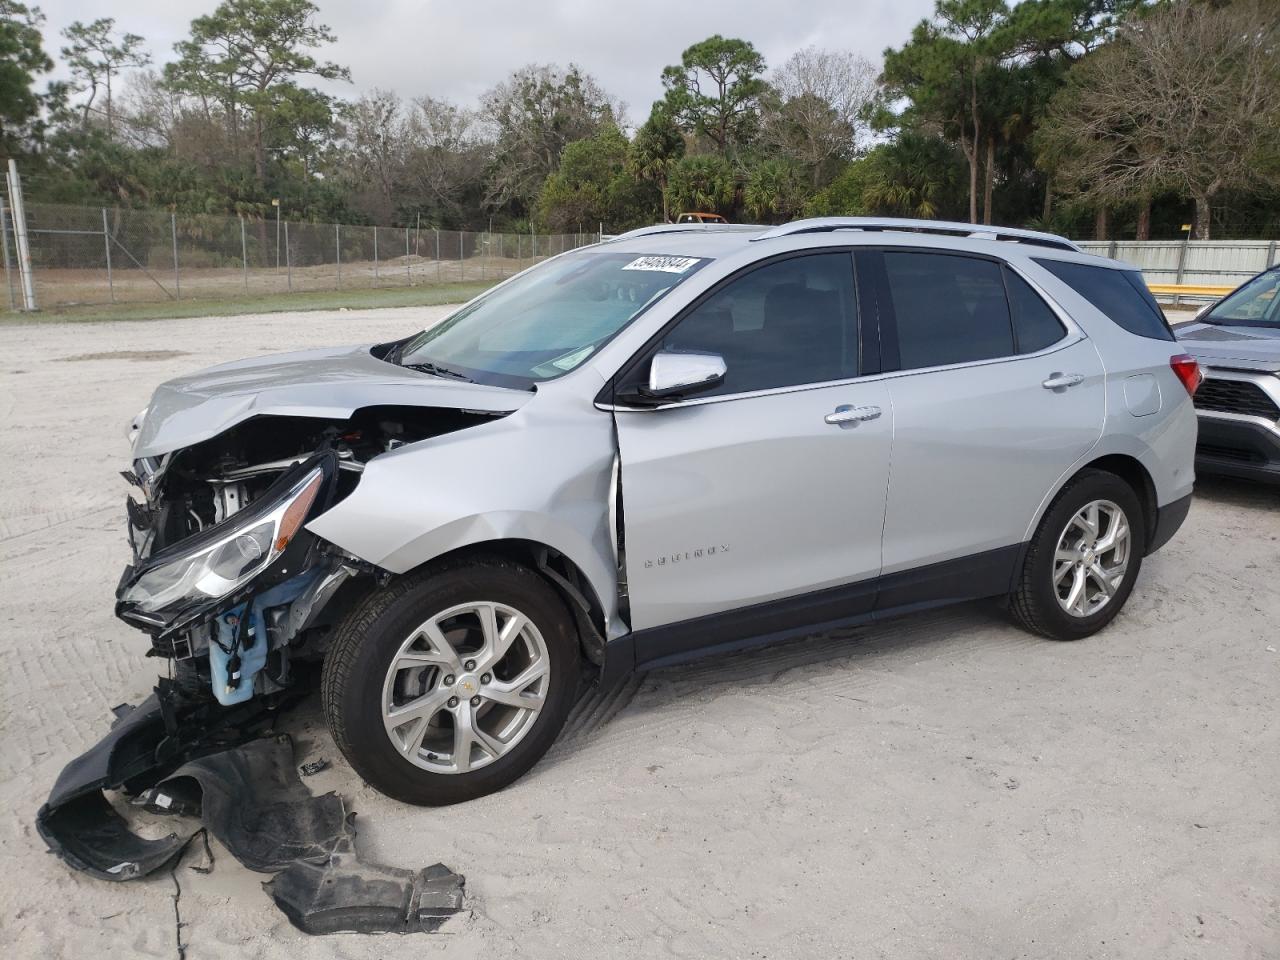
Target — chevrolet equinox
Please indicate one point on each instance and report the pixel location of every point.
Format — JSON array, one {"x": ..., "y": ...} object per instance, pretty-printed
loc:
[{"x": 686, "y": 439}]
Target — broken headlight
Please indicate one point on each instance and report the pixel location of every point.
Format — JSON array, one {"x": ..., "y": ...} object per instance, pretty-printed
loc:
[{"x": 217, "y": 565}]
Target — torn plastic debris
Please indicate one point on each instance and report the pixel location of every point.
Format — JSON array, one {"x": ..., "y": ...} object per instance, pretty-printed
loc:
[
  {"x": 251, "y": 799},
  {"x": 143, "y": 746},
  {"x": 254, "y": 804},
  {"x": 344, "y": 895},
  {"x": 314, "y": 767}
]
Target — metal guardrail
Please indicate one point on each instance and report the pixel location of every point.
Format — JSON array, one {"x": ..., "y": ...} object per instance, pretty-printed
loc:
[{"x": 1192, "y": 290}]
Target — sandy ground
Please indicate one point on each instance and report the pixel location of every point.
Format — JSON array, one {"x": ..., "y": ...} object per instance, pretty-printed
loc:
[{"x": 942, "y": 786}]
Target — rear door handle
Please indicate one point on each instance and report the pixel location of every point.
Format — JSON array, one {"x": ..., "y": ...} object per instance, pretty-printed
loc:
[
  {"x": 1060, "y": 381},
  {"x": 850, "y": 414}
]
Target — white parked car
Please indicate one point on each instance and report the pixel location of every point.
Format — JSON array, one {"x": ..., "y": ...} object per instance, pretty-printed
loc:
[{"x": 1237, "y": 342}]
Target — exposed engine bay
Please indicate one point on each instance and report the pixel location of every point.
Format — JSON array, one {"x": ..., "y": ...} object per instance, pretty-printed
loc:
[
  {"x": 204, "y": 484},
  {"x": 225, "y": 579}
]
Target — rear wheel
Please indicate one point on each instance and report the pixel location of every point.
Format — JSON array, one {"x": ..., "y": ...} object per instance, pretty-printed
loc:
[
  {"x": 451, "y": 684},
  {"x": 1083, "y": 560}
]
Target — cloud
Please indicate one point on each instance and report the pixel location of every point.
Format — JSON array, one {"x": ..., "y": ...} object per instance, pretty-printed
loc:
[{"x": 458, "y": 50}]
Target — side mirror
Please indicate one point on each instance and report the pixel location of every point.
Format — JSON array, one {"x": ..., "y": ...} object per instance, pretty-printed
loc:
[{"x": 673, "y": 375}]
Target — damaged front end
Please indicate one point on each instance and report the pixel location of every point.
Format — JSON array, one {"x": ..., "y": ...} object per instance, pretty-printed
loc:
[
  {"x": 226, "y": 601},
  {"x": 234, "y": 590},
  {"x": 225, "y": 579}
]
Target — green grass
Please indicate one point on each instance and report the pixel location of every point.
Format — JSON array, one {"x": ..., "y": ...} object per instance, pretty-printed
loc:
[{"x": 422, "y": 296}]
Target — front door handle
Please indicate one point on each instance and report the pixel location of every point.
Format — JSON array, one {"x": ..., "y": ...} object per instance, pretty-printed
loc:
[
  {"x": 1060, "y": 381},
  {"x": 850, "y": 414}
]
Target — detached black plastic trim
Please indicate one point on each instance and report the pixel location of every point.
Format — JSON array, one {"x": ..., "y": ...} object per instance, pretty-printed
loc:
[{"x": 251, "y": 799}]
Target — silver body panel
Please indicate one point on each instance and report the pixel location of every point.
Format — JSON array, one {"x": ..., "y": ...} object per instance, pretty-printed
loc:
[
  {"x": 542, "y": 474},
  {"x": 741, "y": 500},
  {"x": 1163, "y": 441},
  {"x": 329, "y": 382},
  {"x": 975, "y": 447},
  {"x": 960, "y": 459}
]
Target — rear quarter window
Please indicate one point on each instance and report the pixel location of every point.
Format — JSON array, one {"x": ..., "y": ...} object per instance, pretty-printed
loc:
[
  {"x": 1120, "y": 294},
  {"x": 1034, "y": 324}
]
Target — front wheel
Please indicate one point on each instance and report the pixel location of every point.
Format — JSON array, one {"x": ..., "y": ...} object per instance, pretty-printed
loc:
[
  {"x": 449, "y": 685},
  {"x": 1083, "y": 560}
]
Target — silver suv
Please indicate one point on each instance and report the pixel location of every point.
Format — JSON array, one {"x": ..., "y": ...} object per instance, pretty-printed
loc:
[{"x": 687, "y": 439}]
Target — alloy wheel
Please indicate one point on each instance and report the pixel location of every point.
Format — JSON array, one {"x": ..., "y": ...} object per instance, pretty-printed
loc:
[
  {"x": 1091, "y": 558},
  {"x": 465, "y": 687}
]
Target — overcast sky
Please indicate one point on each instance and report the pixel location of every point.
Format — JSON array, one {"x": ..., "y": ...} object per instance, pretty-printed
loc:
[{"x": 459, "y": 48}]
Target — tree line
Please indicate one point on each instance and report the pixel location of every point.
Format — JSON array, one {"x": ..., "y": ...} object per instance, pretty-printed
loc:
[{"x": 1116, "y": 118}]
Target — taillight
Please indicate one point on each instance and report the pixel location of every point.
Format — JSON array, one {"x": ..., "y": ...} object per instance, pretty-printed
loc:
[{"x": 1188, "y": 371}]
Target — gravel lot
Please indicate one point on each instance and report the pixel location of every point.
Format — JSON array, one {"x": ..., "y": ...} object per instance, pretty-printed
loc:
[{"x": 942, "y": 786}]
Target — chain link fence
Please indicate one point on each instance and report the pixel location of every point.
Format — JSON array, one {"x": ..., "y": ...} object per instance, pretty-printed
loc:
[{"x": 89, "y": 255}]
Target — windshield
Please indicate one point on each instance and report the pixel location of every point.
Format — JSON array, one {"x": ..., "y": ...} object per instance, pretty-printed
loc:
[
  {"x": 1256, "y": 304},
  {"x": 547, "y": 321}
]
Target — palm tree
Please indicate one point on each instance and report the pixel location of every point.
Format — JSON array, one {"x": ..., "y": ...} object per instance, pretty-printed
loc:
[{"x": 917, "y": 176}]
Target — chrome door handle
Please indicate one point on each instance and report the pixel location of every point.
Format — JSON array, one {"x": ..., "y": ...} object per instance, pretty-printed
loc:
[
  {"x": 849, "y": 414},
  {"x": 1059, "y": 381}
]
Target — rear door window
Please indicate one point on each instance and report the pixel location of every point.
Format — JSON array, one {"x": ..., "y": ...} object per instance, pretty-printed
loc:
[
  {"x": 948, "y": 309},
  {"x": 1120, "y": 294}
]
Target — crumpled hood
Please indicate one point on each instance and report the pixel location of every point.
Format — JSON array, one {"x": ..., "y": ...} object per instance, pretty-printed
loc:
[
  {"x": 1248, "y": 348},
  {"x": 332, "y": 382}
]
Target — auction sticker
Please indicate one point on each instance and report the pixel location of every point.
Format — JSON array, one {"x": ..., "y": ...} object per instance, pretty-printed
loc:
[{"x": 664, "y": 264}]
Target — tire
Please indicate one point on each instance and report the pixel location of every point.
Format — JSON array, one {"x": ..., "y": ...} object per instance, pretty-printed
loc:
[
  {"x": 450, "y": 751},
  {"x": 1037, "y": 603}
]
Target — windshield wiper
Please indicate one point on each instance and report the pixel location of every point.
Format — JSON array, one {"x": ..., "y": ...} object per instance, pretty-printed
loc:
[{"x": 436, "y": 370}]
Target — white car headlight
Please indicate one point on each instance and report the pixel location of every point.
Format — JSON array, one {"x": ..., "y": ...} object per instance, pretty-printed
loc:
[{"x": 219, "y": 567}]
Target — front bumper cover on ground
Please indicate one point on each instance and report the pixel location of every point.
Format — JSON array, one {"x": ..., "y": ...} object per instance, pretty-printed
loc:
[
  {"x": 247, "y": 791},
  {"x": 144, "y": 746}
]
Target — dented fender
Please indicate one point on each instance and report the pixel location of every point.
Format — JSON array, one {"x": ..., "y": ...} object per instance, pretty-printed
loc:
[{"x": 541, "y": 474}]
